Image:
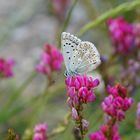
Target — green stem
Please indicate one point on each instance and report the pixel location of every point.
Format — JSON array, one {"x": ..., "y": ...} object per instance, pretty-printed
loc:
[
  {"x": 111, "y": 123},
  {"x": 67, "y": 20},
  {"x": 65, "y": 25},
  {"x": 125, "y": 7},
  {"x": 79, "y": 123}
]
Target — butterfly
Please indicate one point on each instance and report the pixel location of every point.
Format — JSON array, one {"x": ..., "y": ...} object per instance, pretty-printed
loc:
[{"x": 80, "y": 57}]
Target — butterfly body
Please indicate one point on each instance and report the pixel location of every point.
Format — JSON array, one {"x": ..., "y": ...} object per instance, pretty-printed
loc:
[{"x": 80, "y": 57}]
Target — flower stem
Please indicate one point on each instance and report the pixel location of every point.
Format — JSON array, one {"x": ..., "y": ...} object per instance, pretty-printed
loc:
[
  {"x": 111, "y": 123},
  {"x": 80, "y": 127},
  {"x": 67, "y": 20}
]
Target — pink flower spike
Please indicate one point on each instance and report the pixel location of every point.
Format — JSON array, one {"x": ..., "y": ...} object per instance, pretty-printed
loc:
[
  {"x": 117, "y": 103},
  {"x": 51, "y": 60},
  {"x": 122, "y": 35}
]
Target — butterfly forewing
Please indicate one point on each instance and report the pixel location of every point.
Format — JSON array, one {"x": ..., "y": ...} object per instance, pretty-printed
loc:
[
  {"x": 69, "y": 45},
  {"x": 85, "y": 58}
]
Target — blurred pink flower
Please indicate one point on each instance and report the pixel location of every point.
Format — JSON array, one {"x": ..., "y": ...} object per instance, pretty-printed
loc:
[
  {"x": 136, "y": 32},
  {"x": 117, "y": 102},
  {"x": 97, "y": 136},
  {"x": 102, "y": 134},
  {"x": 51, "y": 60},
  {"x": 122, "y": 35},
  {"x": 40, "y": 132},
  {"x": 60, "y": 7},
  {"x": 6, "y": 67}
]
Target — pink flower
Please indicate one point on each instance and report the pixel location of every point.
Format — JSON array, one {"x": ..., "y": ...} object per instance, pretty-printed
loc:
[
  {"x": 51, "y": 60},
  {"x": 97, "y": 136},
  {"x": 40, "y": 131},
  {"x": 6, "y": 67},
  {"x": 60, "y": 7},
  {"x": 102, "y": 134},
  {"x": 117, "y": 90},
  {"x": 80, "y": 88},
  {"x": 122, "y": 35},
  {"x": 117, "y": 102}
]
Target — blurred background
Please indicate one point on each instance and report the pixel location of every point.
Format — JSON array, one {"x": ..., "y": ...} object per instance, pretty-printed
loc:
[{"x": 25, "y": 27}]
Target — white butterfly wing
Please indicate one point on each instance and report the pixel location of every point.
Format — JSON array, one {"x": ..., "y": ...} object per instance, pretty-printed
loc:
[
  {"x": 86, "y": 58},
  {"x": 69, "y": 44}
]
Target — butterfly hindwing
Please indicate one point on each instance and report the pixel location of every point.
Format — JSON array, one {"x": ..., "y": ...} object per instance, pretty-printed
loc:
[
  {"x": 85, "y": 58},
  {"x": 69, "y": 45}
]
